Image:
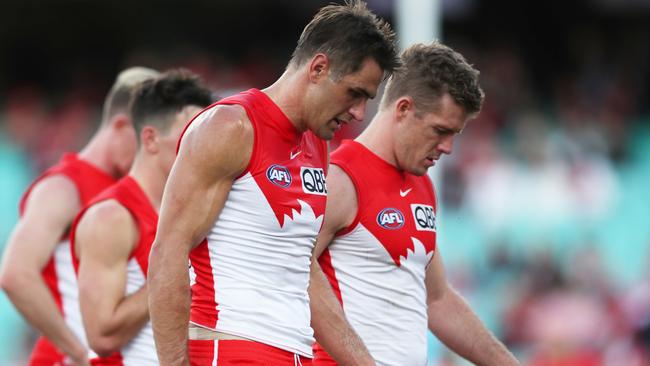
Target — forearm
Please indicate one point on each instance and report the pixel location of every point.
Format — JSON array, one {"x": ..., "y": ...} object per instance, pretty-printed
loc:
[
  {"x": 169, "y": 305},
  {"x": 331, "y": 329},
  {"x": 35, "y": 302},
  {"x": 457, "y": 326},
  {"x": 130, "y": 315}
]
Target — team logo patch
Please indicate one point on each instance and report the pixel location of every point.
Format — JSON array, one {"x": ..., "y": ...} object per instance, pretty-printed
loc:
[
  {"x": 313, "y": 181},
  {"x": 424, "y": 217},
  {"x": 279, "y": 175},
  {"x": 390, "y": 218}
]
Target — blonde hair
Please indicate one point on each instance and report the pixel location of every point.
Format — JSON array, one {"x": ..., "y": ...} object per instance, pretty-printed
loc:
[{"x": 119, "y": 97}]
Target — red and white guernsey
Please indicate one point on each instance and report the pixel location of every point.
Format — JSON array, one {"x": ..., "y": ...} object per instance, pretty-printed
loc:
[
  {"x": 141, "y": 349},
  {"x": 377, "y": 265},
  {"x": 250, "y": 274},
  {"x": 58, "y": 273}
]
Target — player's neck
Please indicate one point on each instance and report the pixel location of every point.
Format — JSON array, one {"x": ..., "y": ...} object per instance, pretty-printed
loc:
[
  {"x": 97, "y": 153},
  {"x": 377, "y": 138},
  {"x": 287, "y": 93},
  {"x": 151, "y": 179}
]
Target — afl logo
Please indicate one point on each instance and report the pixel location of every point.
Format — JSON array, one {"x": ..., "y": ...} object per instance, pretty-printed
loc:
[
  {"x": 390, "y": 218},
  {"x": 279, "y": 175}
]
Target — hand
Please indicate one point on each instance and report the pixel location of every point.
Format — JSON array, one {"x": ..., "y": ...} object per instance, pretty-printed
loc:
[{"x": 78, "y": 359}]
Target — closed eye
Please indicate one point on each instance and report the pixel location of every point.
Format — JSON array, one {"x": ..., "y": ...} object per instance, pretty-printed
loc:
[{"x": 358, "y": 93}]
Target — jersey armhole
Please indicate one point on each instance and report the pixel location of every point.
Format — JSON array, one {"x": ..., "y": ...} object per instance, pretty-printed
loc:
[
  {"x": 434, "y": 195},
  {"x": 22, "y": 205},
  {"x": 80, "y": 215},
  {"x": 138, "y": 224},
  {"x": 253, "y": 156},
  {"x": 73, "y": 237},
  {"x": 357, "y": 216},
  {"x": 23, "y": 201},
  {"x": 252, "y": 162}
]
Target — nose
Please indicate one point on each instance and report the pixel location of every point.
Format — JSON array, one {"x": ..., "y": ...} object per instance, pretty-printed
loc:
[
  {"x": 446, "y": 144},
  {"x": 358, "y": 110}
]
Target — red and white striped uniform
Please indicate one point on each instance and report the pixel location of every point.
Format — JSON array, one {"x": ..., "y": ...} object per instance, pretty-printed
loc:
[
  {"x": 377, "y": 265},
  {"x": 250, "y": 275},
  {"x": 58, "y": 273},
  {"x": 141, "y": 349}
]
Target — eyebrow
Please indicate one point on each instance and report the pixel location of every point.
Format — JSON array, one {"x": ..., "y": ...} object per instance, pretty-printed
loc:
[
  {"x": 447, "y": 130},
  {"x": 364, "y": 92}
]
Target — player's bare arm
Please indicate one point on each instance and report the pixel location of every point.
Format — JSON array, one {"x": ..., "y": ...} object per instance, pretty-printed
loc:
[
  {"x": 457, "y": 326},
  {"x": 212, "y": 154},
  {"x": 50, "y": 209},
  {"x": 104, "y": 239},
  {"x": 331, "y": 329}
]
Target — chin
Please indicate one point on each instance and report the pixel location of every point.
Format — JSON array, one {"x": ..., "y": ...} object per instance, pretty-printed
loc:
[
  {"x": 418, "y": 171},
  {"x": 325, "y": 135}
]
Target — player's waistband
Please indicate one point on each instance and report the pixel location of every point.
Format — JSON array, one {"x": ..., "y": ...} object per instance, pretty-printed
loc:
[
  {"x": 210, "y": 352},
  {"x": 203, "y": 334}
]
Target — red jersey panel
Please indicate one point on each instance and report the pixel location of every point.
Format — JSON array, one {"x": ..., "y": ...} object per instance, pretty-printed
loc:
[
  {"x": 377, "y": 265},
  {"x": 250, "y": 275},
  {"x": 140, "y": 350},
  {"x": 58, "y": 273}
]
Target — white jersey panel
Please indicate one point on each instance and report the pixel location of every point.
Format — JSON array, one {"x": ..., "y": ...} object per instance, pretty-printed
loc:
[
  {"x": 261, "y": 277},
  {"x": 141, "y": 350},
  {"x": 66, "y": 281},
  {"x": 385, "y": 303}
]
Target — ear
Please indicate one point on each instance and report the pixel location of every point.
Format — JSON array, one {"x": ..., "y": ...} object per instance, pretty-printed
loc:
[
  {"x": 318, "y": 67},
  {"x": 120, "y": 121},
  {"x": 403, "y": 106},
  {"x": 149, "y": 139}
]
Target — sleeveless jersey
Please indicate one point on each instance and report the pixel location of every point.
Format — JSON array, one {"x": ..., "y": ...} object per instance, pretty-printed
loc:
[
  {"x": 141, "y": 350},
  {"x": 58, "y": 273},
  {"x": 250, "y": 275},
  {"x": 376, "y": 266}
]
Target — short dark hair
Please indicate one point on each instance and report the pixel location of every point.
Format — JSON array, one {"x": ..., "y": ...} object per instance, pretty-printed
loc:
[
  {"x": 157, "y": 100},
  {"x": 348, "y": 34},
  {"x": 430, "y": 70}
]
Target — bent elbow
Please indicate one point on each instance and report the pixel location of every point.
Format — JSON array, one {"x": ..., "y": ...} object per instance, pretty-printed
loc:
[
  {"x": 5, "y": 282},
  {"x": 12, "y": 281},
  {"x": 103, "y": 346}
]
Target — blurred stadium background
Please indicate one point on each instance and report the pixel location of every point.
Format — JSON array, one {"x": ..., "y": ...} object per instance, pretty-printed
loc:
[{"x": 544, "y": 218}]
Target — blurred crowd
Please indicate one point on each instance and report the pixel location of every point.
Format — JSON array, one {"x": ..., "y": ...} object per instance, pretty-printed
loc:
[
  {"x": 543, "y": 213},
  {"x": 545, "y": 210}
]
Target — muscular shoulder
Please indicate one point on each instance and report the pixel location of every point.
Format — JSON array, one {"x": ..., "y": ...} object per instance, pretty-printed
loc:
[
  {"x": 221, "y": 138},
  {"x": 340, "y": 184},
  {"x": 106, "y": 224},
  {"x": 341, "y": 198},
  {"x": 56, "y": 195},
  {"x": 341, "y": 207},
  {"x": 221, "y": 122},
  {"x": 109, "y": 212}
]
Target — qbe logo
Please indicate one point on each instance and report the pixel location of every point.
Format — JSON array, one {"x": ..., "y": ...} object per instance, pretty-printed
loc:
[
  {"x": 424, "y": 216},
  {"x": 390, "y": 218},
  {"x": 279, "y": 175},
  {"x": 313, "y": 181}
]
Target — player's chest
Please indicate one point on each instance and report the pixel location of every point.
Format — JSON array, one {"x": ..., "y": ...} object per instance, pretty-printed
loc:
[{"x": 403, "y": 222}]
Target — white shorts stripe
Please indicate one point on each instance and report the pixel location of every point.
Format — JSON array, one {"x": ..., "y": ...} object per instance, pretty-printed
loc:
[{"x": 216, "y": 353}]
